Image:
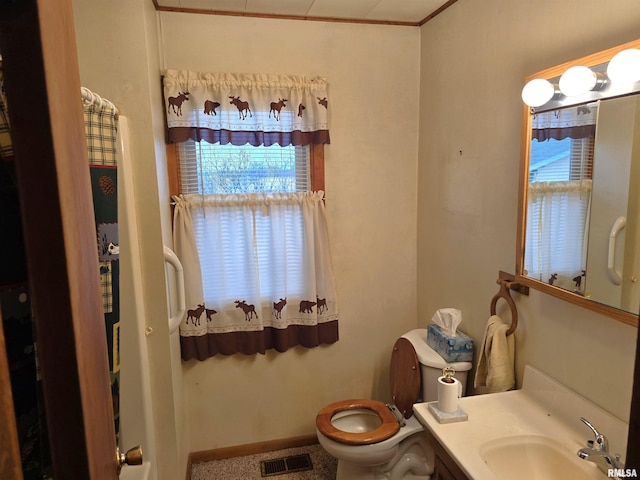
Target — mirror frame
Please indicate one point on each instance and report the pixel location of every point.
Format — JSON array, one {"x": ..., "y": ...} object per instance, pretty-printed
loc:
[{"x": 589, "y": 61}]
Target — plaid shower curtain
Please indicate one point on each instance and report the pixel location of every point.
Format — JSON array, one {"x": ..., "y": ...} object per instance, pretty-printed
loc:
[{"x": 101, "y": 123}]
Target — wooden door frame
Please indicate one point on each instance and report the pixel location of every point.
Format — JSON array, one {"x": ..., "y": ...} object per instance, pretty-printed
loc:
[
  {"x": 10, "y": 464},
  {"x": 42, "y": 81}
]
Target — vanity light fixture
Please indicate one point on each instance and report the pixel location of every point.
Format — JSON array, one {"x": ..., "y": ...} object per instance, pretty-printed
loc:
[
  {"x": 577, "y": 81},
  {"x": 624, "y": 67},
  {"x": 537, "y": 92},
  {"x": 580, "y": 83}
]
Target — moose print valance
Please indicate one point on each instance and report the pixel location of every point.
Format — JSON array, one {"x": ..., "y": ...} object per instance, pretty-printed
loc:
[
  {"x": 258, "y": 109},
  {"x": 573, "y": 122}
]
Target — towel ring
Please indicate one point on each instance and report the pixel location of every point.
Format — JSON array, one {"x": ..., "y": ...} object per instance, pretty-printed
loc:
[{"x": 504, "y": 293}]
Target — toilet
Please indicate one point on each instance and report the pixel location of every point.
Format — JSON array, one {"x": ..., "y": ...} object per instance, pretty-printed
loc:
[{"x": 373, "y": 440}]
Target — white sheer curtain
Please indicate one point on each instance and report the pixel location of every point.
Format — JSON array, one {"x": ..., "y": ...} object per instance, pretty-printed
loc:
[
  {"x": 557, "y": 216},
  {"x": 266, "y": 280}
]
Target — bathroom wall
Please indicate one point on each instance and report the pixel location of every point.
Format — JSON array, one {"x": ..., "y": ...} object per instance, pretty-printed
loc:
[
  {"x": 473, "y": 58},
  {"x": 371, "y": 204},
  {"x": 371, "y": 167}
]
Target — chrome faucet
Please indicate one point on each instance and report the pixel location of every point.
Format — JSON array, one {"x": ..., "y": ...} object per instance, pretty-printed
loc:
[{"x": 597, "y": 451}]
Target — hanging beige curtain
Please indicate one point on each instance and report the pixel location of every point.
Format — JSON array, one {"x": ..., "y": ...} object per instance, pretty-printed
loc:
[
  {"x": 258, "y": 109},
  {"x": 254, "y": 291}
]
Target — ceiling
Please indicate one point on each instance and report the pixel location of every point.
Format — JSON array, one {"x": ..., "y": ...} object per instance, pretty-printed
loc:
[{"x": 402, "y": 12}]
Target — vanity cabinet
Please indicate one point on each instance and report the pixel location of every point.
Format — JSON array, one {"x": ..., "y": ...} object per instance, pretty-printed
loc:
[
  {"x": 441, "y": 472},
  {"x": 445, "y": 468}
]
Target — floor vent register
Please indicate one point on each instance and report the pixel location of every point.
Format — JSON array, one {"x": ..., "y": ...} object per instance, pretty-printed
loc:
[{"x": 279, "y": 466}]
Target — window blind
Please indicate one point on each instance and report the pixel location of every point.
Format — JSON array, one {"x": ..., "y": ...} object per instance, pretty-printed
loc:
[
  {"x": 230, "y": 169},
  {"x": 561, "y": 160},
  {"x": 560, "y": 177}
]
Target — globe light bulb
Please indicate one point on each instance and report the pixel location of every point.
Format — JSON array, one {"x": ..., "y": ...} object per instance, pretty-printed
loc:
[
  {"x": 577, "y": 81},
  {"x": 624, "y": 67},
  {"x": 537, "y": 92}
]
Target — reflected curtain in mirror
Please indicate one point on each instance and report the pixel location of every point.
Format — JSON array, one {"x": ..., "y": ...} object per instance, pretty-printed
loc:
[
  {"x": 559, "y": 196},
  {"x": 556, "y": 226}
]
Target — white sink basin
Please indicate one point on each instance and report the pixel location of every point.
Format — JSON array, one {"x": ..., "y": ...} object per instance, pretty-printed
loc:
[
  {"x": 540, "y": 457},
  {"x": 533, "y": 433}
]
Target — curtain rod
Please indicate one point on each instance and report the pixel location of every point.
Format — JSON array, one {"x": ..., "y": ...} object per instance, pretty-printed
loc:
[{"x": 95, "y": 99}]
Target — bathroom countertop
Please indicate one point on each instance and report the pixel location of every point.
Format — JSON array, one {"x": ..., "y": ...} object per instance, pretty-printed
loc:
[{"x": 542, "y": 407}]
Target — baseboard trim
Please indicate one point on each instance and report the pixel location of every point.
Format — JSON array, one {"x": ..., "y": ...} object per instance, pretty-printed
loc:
[{"x": 248, "y": 449}]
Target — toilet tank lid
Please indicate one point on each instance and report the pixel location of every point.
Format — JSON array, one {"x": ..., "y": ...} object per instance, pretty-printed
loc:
[{"x": 428, "y": 356}]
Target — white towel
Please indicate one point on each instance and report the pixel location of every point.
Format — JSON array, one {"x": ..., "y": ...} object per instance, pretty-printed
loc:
[{"x": 495, "y": 371}]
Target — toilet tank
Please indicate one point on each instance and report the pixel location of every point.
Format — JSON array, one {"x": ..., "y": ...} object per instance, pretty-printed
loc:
[{"x": 432, "y": 364}]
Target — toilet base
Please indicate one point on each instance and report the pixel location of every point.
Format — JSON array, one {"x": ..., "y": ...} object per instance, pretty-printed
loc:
[
  {"x": 349, "y": 471},
  {"x": 414, "y": 460}
]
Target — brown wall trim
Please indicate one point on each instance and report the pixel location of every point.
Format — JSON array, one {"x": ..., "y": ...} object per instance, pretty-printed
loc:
[
  {"x": 436, "y": 12},
  {"x": 203, "y": 11},
  {"x": 249, "y": 449}
]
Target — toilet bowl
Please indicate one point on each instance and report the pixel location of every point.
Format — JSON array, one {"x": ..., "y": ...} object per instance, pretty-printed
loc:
[
  {"x": 357, "y": 422},
  {"x": 405, "y": 452},
  {"x": 371, "y": 439}
]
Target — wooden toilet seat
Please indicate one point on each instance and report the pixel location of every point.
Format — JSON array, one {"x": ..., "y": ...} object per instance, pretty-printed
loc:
[
  {"x": 389, "y": 427},
  {"x": 405, "y": 391}
]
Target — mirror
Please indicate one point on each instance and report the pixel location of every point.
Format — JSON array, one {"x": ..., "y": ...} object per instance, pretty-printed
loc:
[{"x": 579, "y": 206}]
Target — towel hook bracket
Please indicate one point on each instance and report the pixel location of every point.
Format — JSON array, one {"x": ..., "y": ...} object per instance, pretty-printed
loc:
[
  {"x": 507, "y": 282},
  {"x": 510, "y": 279}
]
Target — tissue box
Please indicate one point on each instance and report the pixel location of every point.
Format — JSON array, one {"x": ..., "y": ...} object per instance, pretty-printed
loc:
[{"x": 452, "y": 349}]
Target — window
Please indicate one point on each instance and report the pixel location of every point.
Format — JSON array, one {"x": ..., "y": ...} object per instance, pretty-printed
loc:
[
  {"x": 204, "y": 168},
  {"x": 247, "y": 177},
  {"x": 224, "y": 169},
  {"x": 560, "y": 174},
  {"x": 561, "y": 160}
]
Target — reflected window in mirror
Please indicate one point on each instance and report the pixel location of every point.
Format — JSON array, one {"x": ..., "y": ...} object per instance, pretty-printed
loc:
[{"x": 560, "y": 178}]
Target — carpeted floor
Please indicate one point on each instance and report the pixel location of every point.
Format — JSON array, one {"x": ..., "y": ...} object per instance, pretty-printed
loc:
[{"x": 248, "y": 468}]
